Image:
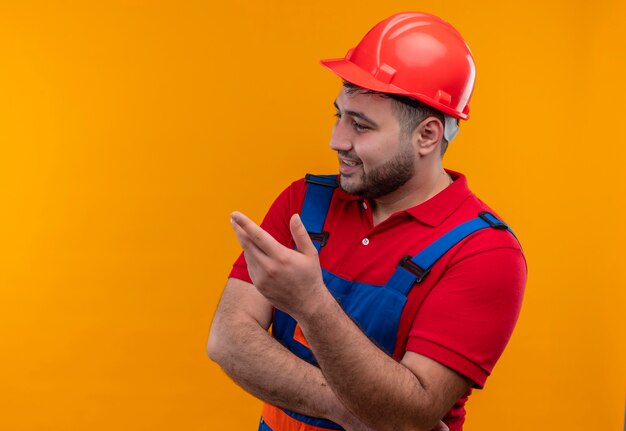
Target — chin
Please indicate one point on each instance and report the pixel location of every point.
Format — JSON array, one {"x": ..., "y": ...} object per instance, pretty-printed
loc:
[{"x": 350, "y": 185}]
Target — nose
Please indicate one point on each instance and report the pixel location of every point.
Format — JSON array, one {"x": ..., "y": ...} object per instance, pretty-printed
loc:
[{"x": 340, "y": 137}]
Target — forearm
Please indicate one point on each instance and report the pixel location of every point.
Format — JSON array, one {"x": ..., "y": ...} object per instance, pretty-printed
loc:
[
  {"x": 267, "y": 370},
  {"x": 380, "y": 391}
]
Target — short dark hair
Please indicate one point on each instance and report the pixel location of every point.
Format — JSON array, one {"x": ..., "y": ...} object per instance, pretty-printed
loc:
[{"x": 410, "y": 112}]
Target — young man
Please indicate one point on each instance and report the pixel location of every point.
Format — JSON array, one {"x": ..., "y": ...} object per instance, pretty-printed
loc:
[{"x": 391, "y": 289}]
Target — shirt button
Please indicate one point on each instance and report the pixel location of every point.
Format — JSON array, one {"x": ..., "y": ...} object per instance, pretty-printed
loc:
[
  {"x": 364, "y": 205},
  {"x": 365, "y": 241}
]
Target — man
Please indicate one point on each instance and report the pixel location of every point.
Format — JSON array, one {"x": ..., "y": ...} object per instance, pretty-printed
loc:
[{"x": 393, "y": 294}]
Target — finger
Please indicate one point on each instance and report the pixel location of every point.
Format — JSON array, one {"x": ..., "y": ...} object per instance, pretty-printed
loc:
[
  {"x": 245, "y": 240},
  {"x": 301, "y": 236},
  {"x": 242, "y": 236},
  {"x": 253, "y": 254},
  {"x": 257, "y": 235}
]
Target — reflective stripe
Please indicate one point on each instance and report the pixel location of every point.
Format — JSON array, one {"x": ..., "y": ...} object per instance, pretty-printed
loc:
[
  {"x": 299, "y": 336},
  {"x": 278, "y": 420}
]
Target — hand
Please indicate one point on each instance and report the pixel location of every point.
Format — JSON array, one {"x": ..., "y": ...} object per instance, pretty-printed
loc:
[{"x": 290, "y": 279}]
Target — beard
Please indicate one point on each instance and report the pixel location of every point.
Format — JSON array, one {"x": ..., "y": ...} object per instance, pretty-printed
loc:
[{"x": 384, "y": 179}]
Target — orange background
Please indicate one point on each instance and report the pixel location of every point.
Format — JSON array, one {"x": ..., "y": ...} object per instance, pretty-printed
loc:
[{"x": 129, "y": 130}]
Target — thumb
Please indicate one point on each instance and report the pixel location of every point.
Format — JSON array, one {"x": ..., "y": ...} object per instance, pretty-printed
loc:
[{"x": 301, "y": 236}]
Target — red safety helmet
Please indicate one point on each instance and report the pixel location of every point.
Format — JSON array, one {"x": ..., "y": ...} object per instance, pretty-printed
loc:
[{"x": 413, "y": 54}]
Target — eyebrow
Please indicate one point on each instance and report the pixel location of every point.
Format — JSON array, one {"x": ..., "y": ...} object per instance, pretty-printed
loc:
[{"x": 357, "y": 115}]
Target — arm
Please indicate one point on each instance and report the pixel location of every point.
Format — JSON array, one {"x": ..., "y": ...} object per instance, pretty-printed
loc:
[
  {"x": 240, "y": 344},
  {"x": 387, "y": 395},
  {"x": 384, "y": 394}
]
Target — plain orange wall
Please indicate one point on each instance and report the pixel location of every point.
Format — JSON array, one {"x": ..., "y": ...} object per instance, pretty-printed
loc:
[{"x": 129, "y": 130}]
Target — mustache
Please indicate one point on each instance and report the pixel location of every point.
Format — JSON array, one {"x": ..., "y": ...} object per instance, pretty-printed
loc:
[{"x": 350, "y": 155}]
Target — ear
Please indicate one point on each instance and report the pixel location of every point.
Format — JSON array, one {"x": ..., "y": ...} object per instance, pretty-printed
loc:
[{"x": 428, "y": 136}]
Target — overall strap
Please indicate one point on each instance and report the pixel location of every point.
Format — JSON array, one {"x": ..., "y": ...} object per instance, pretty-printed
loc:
[
  {"x": 319, "y": 192},
  {"x": 413, "y": 270}
]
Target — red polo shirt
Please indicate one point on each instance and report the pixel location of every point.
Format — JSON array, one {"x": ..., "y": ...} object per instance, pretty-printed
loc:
[{"x": 477, "y": 286}]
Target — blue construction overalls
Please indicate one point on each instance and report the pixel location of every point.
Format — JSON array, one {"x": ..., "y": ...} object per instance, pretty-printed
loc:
[{"x": 376, "y": 309}]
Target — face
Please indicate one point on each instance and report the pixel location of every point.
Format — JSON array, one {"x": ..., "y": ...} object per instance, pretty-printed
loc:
[{"x": 375, "y": 157}]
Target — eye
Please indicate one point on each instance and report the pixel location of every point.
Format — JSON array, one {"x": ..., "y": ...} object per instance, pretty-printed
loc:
[{"x": 359, "y": 127}]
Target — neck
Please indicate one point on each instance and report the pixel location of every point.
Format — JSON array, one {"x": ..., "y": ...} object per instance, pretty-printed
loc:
[{"x": 425, "y": 184}]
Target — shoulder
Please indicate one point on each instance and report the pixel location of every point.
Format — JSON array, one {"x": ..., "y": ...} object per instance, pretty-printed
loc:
[
  {"x": 297, "y": 189},
  {"x": 289, "y": 202},
  {"x": 485, "y": 239},
  {"x": 296, "y": 192},
  {"x": 489, "y": 252},
  {"x": 489, "y": 265},
  {"x": 291, "y": 197}
]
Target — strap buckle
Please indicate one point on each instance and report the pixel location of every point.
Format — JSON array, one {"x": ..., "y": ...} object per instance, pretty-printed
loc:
[
  {"x": 321, "y": 237},
  {"x": 328, "y": 180},
  {"x": 492, "y": 221},
  {"x": 418, "y": 272}
]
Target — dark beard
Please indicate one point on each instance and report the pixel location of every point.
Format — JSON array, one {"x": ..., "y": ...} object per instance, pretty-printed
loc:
[{"x": 386, "y": 178}]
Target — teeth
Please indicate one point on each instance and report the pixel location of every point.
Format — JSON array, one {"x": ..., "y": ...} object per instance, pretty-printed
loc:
[{"x": 350, "y": 162}]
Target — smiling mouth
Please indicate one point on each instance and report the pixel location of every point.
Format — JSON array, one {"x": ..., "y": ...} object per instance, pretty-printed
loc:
[
  {"x": 349, "y": 162},
  {"x": 348, "y": 167}
]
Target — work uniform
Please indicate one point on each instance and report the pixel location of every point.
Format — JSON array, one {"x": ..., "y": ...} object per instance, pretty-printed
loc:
[{"x": 460, "y": 312}]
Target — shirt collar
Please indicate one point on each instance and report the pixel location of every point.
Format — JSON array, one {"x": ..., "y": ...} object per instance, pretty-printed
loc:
[{"x": 436, "y": 209}]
